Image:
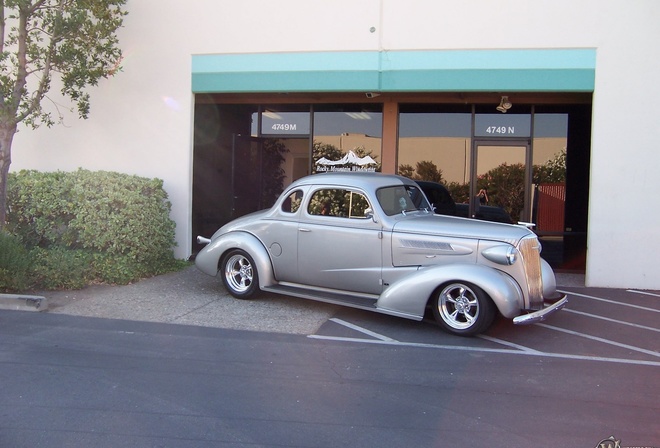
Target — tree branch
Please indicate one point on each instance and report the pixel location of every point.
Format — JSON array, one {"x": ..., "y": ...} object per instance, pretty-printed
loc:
[
  {"x": 2, "y": 26},
  {"x": 44, "y": 82}
]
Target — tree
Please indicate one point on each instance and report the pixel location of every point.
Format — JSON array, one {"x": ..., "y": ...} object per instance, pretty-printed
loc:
[
  {"x": 424, "y": 170},
  {"x": 505, "y": 185},
  {"x": 72, "y": 43},
  {"x": 553, "y": 171},
  {"x": 427, "y": 170},
  {"x": 326, "y": 150},
  {"x": 406, "y": 170}
]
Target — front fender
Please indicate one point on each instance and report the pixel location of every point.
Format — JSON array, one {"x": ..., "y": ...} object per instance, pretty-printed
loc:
[
  {"x": 408, "y": 297},
  {"x": 549, "y": 280},
  {"x": 208, "y": 259}
]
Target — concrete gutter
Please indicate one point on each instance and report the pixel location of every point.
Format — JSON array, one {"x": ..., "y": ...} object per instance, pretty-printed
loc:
[{"x": 18, "y": 302}]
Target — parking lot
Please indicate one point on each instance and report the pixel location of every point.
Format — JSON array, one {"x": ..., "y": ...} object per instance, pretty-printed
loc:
[
  {"x": 606, "y": 325},
  {"x": 344, "y": 376},
  {"x": 610, "y": 325}
]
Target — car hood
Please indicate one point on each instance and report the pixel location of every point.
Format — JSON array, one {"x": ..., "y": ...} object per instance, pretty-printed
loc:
[{"x": 461, "y": 228}]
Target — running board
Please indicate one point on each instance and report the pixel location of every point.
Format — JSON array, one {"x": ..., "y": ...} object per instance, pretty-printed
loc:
[{"x": 333, "y": 297}]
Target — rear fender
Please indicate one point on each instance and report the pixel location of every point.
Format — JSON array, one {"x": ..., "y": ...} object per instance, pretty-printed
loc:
[
  {"x": 408, "y": 297},
  {"x": 208, "y": 259}
]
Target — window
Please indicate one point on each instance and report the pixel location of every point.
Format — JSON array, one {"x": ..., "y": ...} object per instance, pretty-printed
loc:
[
  {"x": 347, "y": 137},
  {"x": 338, "y": 202},
  {"x": 435, "y": 143},
  {"x": 292, "y": 203}
]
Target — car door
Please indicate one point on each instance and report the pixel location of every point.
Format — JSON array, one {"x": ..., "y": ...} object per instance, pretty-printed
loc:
[
  {"x": 280, "y": 237},
  {"x": 339, "y": 247}
]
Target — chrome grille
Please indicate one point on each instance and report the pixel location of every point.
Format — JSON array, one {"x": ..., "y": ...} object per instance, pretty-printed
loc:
[{"x": 531, "y": 255}]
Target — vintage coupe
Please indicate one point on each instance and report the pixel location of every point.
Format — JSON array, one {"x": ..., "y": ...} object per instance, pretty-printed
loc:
[{"x": 371, "y": 241}]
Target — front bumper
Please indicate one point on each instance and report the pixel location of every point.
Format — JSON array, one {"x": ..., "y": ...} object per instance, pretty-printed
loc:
[{"x": 542, "y": 314}]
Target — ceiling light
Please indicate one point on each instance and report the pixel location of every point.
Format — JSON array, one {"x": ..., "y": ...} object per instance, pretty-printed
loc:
[
  {"x": 272, "y": 115},
  {"x": 358, "y": 115},
  {"x": 505, "y": 105}
]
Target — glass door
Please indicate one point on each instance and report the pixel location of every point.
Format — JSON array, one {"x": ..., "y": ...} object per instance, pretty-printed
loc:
[
  {"x": 246, "y": 175},
  {"x": 500, "y": 181},
  {"x": 257, "y": 173}
]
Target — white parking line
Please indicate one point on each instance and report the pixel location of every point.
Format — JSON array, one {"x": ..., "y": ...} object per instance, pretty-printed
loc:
[
  {"x": 490, "y": 350},
  {"x": 600, "y": 299},
  {"x": 520, "y": 349},
  {"x": 616, "y": 321},
  {"x": 643, "y": 292},
  {"x": 605, "y": 341},
  {"x": 507, "y": 343},
  {"x": 362, "y": 330}
]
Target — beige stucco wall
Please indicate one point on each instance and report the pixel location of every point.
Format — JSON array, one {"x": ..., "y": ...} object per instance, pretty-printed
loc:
[{"x": 141, "y": 119}]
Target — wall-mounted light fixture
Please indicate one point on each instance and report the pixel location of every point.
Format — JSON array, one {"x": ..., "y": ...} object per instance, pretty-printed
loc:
[
  {"x": 371, "y": 94},
  {"x": 505, "y": 105}
]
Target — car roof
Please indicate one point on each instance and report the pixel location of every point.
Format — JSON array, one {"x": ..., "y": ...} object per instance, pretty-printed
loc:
[{"x": 366, "y": 180}]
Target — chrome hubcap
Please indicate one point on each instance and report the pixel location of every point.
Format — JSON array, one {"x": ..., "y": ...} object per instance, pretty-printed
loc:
[
  {"x": 458, "y": 306},
  {"x": 238, "y": 272}
]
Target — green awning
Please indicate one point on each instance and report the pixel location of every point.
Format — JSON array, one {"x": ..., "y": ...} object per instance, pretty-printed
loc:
[{"x": 540, "y": 70}]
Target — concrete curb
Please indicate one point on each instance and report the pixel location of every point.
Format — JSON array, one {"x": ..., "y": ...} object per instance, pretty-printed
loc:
[{"x": 23, "y": 303}]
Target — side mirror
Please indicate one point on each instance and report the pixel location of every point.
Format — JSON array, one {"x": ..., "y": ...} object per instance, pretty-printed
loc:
[{"x": 369, "y": 214}]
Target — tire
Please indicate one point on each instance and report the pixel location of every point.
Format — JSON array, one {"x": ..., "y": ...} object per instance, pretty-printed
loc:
[
  {"x": 239, "y": 274},
  {"x": 463, "y": 309}
]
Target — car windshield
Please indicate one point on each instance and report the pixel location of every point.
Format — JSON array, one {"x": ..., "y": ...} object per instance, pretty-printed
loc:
[{"x": 401, "y": 199}]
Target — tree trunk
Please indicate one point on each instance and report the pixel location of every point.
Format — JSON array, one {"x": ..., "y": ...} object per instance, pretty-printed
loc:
[{"x": 6, "y": 137}]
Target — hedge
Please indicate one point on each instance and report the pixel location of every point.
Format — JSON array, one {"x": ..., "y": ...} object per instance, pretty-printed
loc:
[
  {"x": 99, "y": 226},
  {"x": 14, "y": 264}
]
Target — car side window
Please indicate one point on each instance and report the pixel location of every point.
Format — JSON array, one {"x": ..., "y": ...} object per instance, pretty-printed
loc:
[
  {"x": 338, "y": 202},
  {"x": 292, "y": 202}
]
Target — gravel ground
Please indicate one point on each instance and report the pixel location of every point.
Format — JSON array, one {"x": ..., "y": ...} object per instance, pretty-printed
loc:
[{"x": 190, "y": 297}]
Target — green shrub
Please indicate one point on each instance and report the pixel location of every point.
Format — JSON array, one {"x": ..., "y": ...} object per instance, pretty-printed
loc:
[
  {"x": 39, "y": 208},
  {"x": 120, "y": 222},
  {"x": 61, "y": 268},
  {"x": 14, "y": 264},
  {"x": 124, "y": 216}
]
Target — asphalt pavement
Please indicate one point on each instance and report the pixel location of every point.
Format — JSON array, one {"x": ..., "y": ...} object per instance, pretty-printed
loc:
[
  {"x": 154, "y": 372},
  {"x": 190, "y": 297}
]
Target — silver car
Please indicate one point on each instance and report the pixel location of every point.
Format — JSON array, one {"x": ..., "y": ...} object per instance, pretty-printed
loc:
[{"x": 371, "y": 241}]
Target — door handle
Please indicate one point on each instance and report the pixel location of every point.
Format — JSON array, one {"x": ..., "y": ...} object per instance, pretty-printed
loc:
[{"x": 304, "y": 230}]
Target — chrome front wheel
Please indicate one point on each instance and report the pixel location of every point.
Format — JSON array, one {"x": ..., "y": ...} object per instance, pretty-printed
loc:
[
  {"x": 239, "y": 275},
  {"x": 463, "y": 309}
]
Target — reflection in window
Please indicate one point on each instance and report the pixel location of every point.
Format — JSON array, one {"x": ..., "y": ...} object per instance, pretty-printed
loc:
[
  {"x": 289, "y": 126},
  {"x": 347, "y": 138},
  {"x": 435, "y": 145},
  {"x": 549, "y": 177},
  {"x": 338, "y": 202}
]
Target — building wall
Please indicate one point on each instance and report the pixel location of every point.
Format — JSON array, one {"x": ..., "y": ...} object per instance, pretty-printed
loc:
[{"x": 141, "y": 119}]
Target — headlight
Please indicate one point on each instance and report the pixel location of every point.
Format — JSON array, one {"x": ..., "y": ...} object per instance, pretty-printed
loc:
[
  {"x": 511, "y": 255},
  {"x": 506, "y": 255}
]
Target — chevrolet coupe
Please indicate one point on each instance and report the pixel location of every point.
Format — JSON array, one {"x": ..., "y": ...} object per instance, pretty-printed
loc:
[{"x": 372, "y": 241}]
